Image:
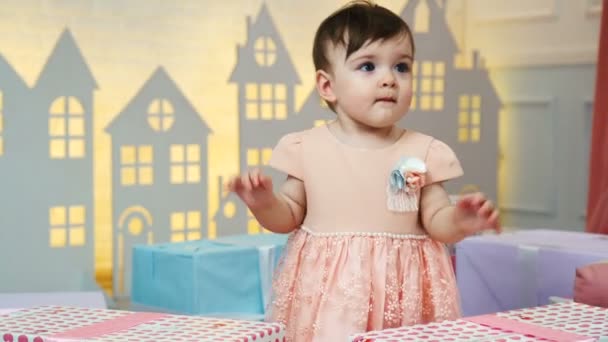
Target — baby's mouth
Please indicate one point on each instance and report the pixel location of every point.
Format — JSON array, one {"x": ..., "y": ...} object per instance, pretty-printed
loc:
[{"x": 386, "y": 99}]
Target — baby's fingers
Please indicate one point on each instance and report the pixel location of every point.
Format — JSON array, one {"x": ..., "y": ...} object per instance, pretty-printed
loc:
[
  {"x": 246, "y": 182},
  {"x": 486, "y": 209},
  {"x": 254, "y": 177},
  {"x": 494, "y": 222},
  {"x": 470, "y": 201},
  {"x": 265, "y": 182}
]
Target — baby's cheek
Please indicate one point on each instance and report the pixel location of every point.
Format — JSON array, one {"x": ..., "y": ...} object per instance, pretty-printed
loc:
[
  {"x": 408, "y": 97},
  {"x": 408, "y": 92}
]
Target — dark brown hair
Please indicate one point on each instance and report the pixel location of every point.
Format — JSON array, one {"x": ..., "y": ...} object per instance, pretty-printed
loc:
[{"x": 353, "y": 26}]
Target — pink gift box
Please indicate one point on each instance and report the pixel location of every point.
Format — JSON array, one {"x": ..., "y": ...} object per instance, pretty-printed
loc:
[
  {"x": 59, "y": 324},
  {"x": 560, "y": 322}
]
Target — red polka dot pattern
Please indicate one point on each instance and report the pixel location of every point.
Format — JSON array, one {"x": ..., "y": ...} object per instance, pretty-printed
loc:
[
  {"x": 569, "y": 317},
  {"x": 457, "y": 331},
  {"x": 37, "y": 324}
]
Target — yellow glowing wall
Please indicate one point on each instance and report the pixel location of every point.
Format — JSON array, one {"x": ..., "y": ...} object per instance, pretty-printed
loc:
[{"x": 123, "y": 42}]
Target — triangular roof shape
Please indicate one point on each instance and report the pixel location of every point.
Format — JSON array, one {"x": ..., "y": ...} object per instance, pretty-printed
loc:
[
  {"x": 158, "y": 85},
  {"x": 246, "y": 68},
  {"x": 66, "y": 64}
]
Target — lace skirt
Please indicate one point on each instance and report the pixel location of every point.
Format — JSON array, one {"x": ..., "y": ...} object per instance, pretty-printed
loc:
[{"x": 331, "y": 285}]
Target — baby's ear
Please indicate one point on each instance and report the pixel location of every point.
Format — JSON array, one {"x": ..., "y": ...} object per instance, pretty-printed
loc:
[{"x": 325, "y": 86}]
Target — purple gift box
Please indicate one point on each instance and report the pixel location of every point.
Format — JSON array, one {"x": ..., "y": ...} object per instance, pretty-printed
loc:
[{"x": 523, "y": 268}]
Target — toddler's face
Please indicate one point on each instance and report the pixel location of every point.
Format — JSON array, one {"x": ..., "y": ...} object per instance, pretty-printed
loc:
[{"x": 373, "y": 85}]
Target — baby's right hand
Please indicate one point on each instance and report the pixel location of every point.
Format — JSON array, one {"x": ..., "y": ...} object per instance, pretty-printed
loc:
[{"x": 253, "y": 188}]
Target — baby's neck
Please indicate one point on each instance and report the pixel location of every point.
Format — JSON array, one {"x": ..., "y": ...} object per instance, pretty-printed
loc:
[{"x": 360, "y": 136}]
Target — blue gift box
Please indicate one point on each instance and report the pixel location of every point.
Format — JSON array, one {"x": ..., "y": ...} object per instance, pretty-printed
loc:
[{"x": 230, "y": 276}]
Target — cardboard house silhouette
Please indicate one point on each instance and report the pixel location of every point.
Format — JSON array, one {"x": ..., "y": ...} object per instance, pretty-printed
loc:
[
  {"x": 159, "y": 173},
  {"x": 46, "y": 158}
]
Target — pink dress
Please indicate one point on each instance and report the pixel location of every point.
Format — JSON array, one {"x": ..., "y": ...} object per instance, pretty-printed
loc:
[{"x": 355, "y": 265}]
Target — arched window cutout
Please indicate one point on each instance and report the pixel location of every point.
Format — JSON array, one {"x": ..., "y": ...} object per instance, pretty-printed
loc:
[{"x": 66, "y": 128}]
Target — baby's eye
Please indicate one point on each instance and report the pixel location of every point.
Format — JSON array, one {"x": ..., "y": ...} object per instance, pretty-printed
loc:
[
  {"x": 368, "y": 66},
  {"x": 402, "y": 67}
]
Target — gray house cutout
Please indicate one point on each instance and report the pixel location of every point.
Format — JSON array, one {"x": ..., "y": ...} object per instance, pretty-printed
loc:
[
  {"x": 46, "y": 159},
  {"x": 266, "y": 79},
  {"x": 159, "y": 180},
  {"x": 457, "y": 106}
]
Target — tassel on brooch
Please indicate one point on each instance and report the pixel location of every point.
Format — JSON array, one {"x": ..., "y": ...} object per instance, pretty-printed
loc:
[{"x": 405, "y": 182}]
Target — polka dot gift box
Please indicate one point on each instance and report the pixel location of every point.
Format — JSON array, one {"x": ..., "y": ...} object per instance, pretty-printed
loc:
[
  {"x": 561, "y": 322},
  {"x": 62, "y": 324}
]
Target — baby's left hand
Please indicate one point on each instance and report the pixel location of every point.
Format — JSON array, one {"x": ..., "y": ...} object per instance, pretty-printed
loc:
[{"x": 474, "y": 213}]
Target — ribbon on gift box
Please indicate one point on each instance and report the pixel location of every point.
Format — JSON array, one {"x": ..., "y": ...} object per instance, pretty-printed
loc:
[
  {"x": 108, "y": 327},
  {"x": 267, "y": 255},
  {"x": 505, "y": 324},
  {"x": 126, "y": 324},
  {"x": 527, "y": 256},
  {"x": 528, "y": 260}
]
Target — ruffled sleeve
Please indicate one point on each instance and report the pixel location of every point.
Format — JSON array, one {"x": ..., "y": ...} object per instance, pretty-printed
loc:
[
  {"x": 287, "y": 155},
  {"x": 442, "y": 163}
]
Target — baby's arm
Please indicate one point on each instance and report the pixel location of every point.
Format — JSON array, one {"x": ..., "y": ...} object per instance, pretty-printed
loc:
[
  {"x": 278, "y": 212},
  {"x": 286, "y": 210},
  {"x": 451, "y": 223}
]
